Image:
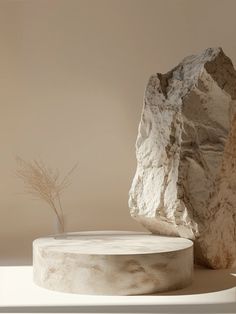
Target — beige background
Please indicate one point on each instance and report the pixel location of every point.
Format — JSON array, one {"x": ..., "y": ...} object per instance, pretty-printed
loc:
[{"x": 72, "y": 76}]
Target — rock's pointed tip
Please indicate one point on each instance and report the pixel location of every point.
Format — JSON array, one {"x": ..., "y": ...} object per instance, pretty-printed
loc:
[
  {"x": 214, "y": 51},
  {"x": 215, "y": 48}
]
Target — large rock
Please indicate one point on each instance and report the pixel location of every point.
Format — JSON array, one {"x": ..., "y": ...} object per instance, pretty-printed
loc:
[{"x": 185, "y": 183}]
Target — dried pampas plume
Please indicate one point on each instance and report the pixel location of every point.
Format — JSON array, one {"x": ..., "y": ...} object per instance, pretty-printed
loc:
[{"x": 44, "y": 183}]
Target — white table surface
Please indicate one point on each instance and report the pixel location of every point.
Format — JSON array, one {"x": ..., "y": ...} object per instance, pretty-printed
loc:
[{"x": 212, "y": 291}]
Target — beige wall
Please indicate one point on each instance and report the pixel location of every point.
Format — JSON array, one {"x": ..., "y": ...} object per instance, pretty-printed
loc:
[{"x": 72, "y": 76}]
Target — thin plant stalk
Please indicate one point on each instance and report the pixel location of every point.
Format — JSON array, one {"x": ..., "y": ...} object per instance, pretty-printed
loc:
[{"x": 44, "y": 183}]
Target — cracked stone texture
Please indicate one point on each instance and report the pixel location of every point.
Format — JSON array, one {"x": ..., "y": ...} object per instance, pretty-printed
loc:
[{"x": 185, "y": 182}]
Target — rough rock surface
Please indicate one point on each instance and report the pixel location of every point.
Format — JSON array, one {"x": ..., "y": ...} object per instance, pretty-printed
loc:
[{"x": 185, "y": 183}]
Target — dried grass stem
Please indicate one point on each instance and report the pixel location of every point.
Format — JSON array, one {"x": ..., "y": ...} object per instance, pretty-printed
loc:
[{"x": 44, "y": 183}]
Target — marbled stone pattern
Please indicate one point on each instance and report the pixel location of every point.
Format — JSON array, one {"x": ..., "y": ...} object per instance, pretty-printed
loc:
[
  {"x": 185, "y": 183},
  {"x": 112, "y": 263}
]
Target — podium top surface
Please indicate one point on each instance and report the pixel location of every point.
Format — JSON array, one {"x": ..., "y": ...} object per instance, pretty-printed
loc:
[{"x": 112, "y": 243}]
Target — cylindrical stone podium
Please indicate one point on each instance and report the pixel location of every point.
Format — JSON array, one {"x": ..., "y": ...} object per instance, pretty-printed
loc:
[{"x": 112, "y": 263}]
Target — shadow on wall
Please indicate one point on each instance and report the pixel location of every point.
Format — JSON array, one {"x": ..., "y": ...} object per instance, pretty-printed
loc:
[{"x": 16, "y": 251}]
